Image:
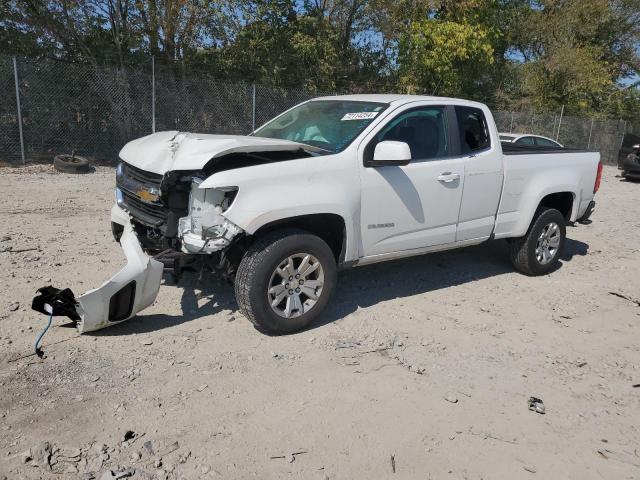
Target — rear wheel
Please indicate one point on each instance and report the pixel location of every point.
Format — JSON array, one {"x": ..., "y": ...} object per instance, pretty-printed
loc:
[
  {"x": 538, "y": 252},
  {"x": 284, "y": 281}
]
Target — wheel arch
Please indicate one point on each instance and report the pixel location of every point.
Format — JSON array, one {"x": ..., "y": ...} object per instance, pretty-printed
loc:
[
  {"x": 330, "y": 227},
  {"x": 561, "y": 201}
]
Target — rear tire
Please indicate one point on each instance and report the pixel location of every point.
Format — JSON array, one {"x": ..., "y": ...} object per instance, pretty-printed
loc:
[
  {"x": 285, "y": 280},
  {"x": 539, "y": 251}
]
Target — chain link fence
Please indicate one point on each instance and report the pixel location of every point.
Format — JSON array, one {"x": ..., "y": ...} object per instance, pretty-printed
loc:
[
  {"x": 9, "y": 129},
  {"x": 602, "y": 135},
  {"x": 93, "y": 110}
]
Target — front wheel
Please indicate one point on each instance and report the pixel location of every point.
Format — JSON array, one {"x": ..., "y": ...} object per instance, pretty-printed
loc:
[
  {"x": 284, "y": 281},
  {"x": 538, "y": 252}
]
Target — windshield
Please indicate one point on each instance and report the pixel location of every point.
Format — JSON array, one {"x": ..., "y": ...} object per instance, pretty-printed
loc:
[{"x": 329, "y": 124}]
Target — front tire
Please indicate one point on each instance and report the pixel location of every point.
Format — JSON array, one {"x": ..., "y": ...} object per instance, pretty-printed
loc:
[
  {"x": 285, "y": 280},
  {"x": 539, "y": 251}
]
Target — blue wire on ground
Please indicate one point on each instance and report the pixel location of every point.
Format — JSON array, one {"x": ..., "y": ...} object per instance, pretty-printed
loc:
[{"x": 39, "y": 352}]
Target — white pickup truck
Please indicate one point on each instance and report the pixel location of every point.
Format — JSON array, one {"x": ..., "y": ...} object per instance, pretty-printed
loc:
[{"x": 331, "y": 183}]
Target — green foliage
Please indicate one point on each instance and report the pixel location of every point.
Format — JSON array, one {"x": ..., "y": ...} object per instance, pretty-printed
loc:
[
  {"x": 436, "y": 56},
  {"x": 302, "y": 52},
  {"x": 575, "y": 52},
  {"x": 535, "y": 54}
]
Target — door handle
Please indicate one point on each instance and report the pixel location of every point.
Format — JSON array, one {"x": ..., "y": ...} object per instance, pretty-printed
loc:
[{"x": 448, "y": 177}]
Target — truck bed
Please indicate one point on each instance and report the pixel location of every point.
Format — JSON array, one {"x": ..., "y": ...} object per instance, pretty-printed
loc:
[
  {"x": 532, "y": 172},
  {"x": 509, "y": 148}
]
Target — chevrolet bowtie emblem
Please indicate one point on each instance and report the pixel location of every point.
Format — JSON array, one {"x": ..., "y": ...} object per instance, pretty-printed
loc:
[{"x": 147, "y": 195}]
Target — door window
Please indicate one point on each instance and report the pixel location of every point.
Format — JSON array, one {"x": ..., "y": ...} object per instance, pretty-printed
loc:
[
  {"x": 423, "y": 129},
  {"x": 474, "y": 132}
]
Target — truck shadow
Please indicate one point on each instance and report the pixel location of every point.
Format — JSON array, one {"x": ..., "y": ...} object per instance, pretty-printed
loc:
[
  {"x": 359, "y": 287},
  {"x": 369, "y": 285},
  {"x": 217, "y": 294}
]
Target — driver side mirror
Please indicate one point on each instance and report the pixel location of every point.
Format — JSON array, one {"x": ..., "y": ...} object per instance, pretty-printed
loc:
[{"x": 391, "y": 153}]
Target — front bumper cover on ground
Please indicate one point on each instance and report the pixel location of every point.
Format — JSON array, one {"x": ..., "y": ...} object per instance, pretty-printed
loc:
[{"x": 129, "y": 291}]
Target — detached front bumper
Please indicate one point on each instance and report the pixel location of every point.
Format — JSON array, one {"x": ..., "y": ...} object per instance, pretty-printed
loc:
[{"x": 129, "y": 291}]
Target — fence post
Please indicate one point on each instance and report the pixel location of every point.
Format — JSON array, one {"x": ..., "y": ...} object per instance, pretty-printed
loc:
[
  {"x": 624, "y": 131},
  {"x": 253, "y": 114},
  {"x": 590, "y": 132},
  {"x": 560, "y": 122},
  {"x": 153, "y": 94},
  {"x": 511, "y": 126},
  {"x": 15, "y": 77}
]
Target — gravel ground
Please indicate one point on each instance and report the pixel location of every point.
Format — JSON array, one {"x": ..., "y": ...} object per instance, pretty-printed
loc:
[{"x": 421, "y": 368}]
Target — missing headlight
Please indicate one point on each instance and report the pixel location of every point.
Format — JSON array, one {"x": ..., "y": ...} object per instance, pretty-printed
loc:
[
  {"x": 205, "y": 229},
  {"x": 205, "y": 208}
]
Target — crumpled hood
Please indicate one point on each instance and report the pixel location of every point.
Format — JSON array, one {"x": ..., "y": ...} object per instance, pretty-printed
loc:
[{"x": 162, "y": 152}]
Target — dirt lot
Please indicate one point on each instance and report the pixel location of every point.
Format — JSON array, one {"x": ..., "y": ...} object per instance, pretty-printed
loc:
[{"x": 421, "y": 369}]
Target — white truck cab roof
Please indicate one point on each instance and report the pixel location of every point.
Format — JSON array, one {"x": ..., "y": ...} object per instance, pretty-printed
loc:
[{"x": 395, "y": 98}]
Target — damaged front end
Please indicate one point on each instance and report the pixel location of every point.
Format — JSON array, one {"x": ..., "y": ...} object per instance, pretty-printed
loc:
[
  {"x": 205, "y": 229},
  {"x": 162, "y": 223},
  {"x": 172, "y": 212}
]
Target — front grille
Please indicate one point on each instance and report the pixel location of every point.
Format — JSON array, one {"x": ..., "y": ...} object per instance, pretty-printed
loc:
[
  {"x": 133, "y": 180},
  {"x": 149, "y": 213},
  {"x": 151, "y": 179}
]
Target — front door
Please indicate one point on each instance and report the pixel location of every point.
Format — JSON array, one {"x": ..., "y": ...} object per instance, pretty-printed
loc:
[{"x": 417, "y": 205}]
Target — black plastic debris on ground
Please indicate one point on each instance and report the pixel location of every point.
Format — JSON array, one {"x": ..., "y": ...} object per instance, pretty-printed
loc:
[{"x": 536, "y": 405}]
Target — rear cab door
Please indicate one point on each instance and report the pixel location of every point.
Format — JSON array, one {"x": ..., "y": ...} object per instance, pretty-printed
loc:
[{"x": 483, "y": 172}]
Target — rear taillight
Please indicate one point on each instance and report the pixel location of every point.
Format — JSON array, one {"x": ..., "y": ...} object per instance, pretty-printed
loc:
[{"x": 596, "y": 186}]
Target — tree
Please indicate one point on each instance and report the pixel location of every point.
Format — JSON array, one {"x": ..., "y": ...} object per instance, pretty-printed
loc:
[
  {"x": 538, "y": 54},
  {"x": 301, "y": 53},
  {"x": 575, "y": 53},
  {"x": 450, "y": 48},
  {"x": 434, "y": 55},
  {"x": 111, "y": 31},
  {"x": 297, "y": 46}
]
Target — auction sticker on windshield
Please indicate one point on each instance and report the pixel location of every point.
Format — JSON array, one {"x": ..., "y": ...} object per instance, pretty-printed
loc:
[{"x": 359, "y": 116}]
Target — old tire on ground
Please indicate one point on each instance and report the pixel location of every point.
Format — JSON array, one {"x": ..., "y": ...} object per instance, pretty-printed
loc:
[
  {"x": 71, "y": 164},
  {"x": 539, "y": 251},
  {"x": 284, "y": 280}
]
